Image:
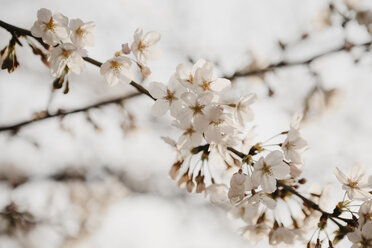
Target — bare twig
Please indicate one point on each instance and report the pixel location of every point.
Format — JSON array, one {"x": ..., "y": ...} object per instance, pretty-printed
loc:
[
  {"x": 15, "y": 127},
  {"x": 285, "y": 64}
]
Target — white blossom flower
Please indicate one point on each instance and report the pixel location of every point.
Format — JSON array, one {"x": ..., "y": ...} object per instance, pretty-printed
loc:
[
  {"x": 356, "y": 183},
  {"x": 255, "y": 233},
  {"x": 214, "y": 124},
  {"x": 194, "y": 105},
  {"x": 246, "y": 212},
  {"x": 117, "y": 69},
  {"x": 186, "y": 76},
  {"x": 362, "y": 238},
  {"x": 243, "y": 112},
  {"x": 82, "y": 32},
  {"x": 67, "y": 54},
  {"x": 294, "y": 145},
  {"x": 281, "y": 235},
  {"x": 205, "y": 80},
  {"x": 167, "y": 97},
  {"x": 52, "y": 28},
  {"x": 190, "y": 137},
  {"x": 296, "y": 167},
  {"x": 261, "y": 197},
  {"x": 143, "y": 46},
  {"x": 217, "y": 194},
  {"x": 239, "y": 184},
  {"x": 365, "y": 212},
  {"x": 267, "y": 170}
]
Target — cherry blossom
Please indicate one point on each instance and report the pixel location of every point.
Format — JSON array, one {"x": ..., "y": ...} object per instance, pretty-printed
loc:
[
  {"x": 217, "y": 194},
  {"x": 260, "y": 197},
  {"x": 281, "y": 235},
  {"x": 362, "y": 238},
  {"x": 52, "y": 28},
  {"x": 167, "y": 97},
  {"x": 214, "y": 124},
  {"x": 190, "y": 137},
  {"x": 365, "y": 212},
  {"x": 268, "y": 169},
  {"x": 194, "y": 105},
  {"x": 117, "y": 69},
  {"x": 255, "y": 233},
  {"x": 239, "y": 184},
  {"x": 205, "y": 80},
  {"x": 186, "y": 76},
  {"x": 82, "y": 32},
  {"x": 67, "y": 55},
  {"x": 143, "y": 46},
  {"x": 356, "y": 183},
  {"x": 243, "y": 112}
]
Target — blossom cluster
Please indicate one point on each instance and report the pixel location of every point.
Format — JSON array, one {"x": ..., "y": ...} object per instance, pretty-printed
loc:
[
  {"x": 68, "y": 55},
  {"x": 209, "y": 124},
  {"x": 357, "y": 186},
  {"x": 212, "y": 125},
  {"x": 193, "y": 96},
  {"x": 54, "y": 29},
  {"x": 118, "y": 68}
]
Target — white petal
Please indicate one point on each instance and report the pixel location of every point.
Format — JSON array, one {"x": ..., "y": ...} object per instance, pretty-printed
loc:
[
  {"x": 160, "y": 107},
  {"x": 44, "y": 15},
  {"x": 280, "y": 171},
  {"x": 273, "y": 158},
  {"x": 151, "y": 38},
  {"x": 268, "y": 183},
  {"x": 340, "y": 176},
  {"x": 220, "y": 84},
  {"x": 157, "y": 90}
]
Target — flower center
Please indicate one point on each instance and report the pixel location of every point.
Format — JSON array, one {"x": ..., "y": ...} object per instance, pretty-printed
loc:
[
  {"x": 289, "y": 145},
  {"x": 197, "y": 109},
  {"x": 141, "y": 47},
  {"x": 216, "y": 122},
  {"x": 191, "y": 79},
  {"x": 80, "y": 32},
  {"x": 170, "y": 96},
  {"x": 116, "y": 66},
  {"x": 266, "y": 169},
  {"x": 50, "y": 25},
  {"x": 206, "y": 86},
  {"x": 66, "y": 53},
  {"x": 352, "y": 184},
  {"x": 189, "y": 131}
]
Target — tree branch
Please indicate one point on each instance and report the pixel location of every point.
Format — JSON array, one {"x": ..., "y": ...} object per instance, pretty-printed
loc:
[
  {"x": 17, "y": 126},
  {"x": 285, "y": 64}
]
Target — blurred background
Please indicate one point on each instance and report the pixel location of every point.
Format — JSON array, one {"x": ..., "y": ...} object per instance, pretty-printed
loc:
[{"x": 99, "y": 178}]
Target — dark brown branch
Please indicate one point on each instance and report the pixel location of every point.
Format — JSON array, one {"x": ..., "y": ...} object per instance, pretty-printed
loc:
[
  {"x": 15, "y": 127},
  {"x": 285, "y": 64}
]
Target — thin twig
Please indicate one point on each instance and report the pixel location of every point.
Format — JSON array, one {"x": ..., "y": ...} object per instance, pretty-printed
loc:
[
  {"x": 285, "y": 64},
  {"x": 15, "y": 127}
]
